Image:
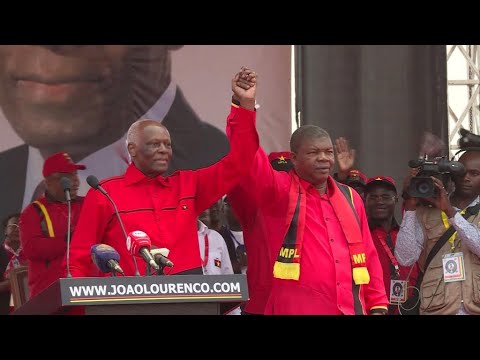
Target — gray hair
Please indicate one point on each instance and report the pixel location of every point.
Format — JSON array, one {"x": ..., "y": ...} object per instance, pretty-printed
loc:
[
  {"x": 306, "y": 132},
  {"x": 137, "y": 126}
]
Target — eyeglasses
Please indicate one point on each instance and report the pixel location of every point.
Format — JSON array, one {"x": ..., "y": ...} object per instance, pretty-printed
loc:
[{"x": 385, "y": 198}]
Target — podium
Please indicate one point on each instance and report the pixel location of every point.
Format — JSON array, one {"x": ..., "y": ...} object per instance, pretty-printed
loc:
[{"x": 139, "y": 295}]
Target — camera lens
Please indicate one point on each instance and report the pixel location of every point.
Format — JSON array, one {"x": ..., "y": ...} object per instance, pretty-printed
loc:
[{"x": 423, "y": 188}]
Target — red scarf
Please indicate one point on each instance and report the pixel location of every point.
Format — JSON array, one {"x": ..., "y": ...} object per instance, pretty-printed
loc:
[{"x": 287, "y": 265}]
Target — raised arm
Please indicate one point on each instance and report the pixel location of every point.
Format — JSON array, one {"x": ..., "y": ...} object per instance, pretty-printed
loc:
[
  {"x": 258, "y": 188},
  {"x": 219, "y": 178}
]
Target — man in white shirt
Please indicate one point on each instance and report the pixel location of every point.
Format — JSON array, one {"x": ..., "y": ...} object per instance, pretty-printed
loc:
[
  {"x": 213, "y": 252},
  {"x": 214, "y": 255},
  {"x": 81, "y": 99},
  {"x": 442, "y": 293}
]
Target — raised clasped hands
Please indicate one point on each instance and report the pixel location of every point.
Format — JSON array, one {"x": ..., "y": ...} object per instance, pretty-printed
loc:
[{"x": 244, "y": 86}]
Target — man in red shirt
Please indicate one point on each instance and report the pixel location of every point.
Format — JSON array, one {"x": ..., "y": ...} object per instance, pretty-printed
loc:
[
  {"x": 166, "y": 208},
  {"x": 44, "y": 223},
  {"x": 317, "y": 230},
  {"x": 358, "y": 181},
  {"x": 380, "y": 201},
  {"x": 260, "y": 257}
]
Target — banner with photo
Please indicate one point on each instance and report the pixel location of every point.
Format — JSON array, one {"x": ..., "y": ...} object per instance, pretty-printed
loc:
[{"x": 81, "y": 99}]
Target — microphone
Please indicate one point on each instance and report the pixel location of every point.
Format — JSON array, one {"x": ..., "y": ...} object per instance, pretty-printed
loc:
[
  {"x": 66, "y": 186},
  {"x": 160, "y": 257},
  {"x": 106, "y": 258},
  {"x": 139, "y": 244},
  {"x": 95, "y": 184}
]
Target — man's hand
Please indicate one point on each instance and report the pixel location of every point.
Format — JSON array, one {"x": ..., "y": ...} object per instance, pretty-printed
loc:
[
  {"x": 441, "y": 201},
  {"x": 244, "y": 86},
  {"x": 345, "y": 158},
  {"x": 410, "y": 203}
]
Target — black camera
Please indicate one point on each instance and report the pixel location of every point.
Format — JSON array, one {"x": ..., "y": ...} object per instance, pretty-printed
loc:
[
  {"x": 422, "y": 185},
  {"x": 468, "y": 140}
]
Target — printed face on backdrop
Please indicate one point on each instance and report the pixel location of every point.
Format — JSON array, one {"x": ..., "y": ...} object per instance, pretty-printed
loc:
[{"x": 83, "y": 96}]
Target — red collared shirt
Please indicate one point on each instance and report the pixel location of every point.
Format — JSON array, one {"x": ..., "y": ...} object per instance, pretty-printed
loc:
[
  {"x": 45, "y": 254},
  {"x": 260, "y": 256},
  {"x": 379, "y": 236},
  {"x": 166, "y": 208},
  {"x": 325, "y": 284}
]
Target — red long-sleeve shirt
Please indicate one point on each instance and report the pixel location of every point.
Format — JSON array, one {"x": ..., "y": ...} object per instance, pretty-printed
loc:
[
  {"x": 379, "y": 236},
  {"x": 325, "y": 284},
  {"x": 166, "y": 208},
  {"x": 45, "y": 254},
  {"x": 260, "y": 256}
]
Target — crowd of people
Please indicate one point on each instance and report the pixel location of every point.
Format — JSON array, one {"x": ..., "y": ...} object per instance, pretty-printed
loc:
[{"x": 310, "y": 242}]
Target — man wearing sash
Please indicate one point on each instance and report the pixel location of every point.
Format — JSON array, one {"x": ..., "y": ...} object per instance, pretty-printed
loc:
[{"x": 326, "y": 262}]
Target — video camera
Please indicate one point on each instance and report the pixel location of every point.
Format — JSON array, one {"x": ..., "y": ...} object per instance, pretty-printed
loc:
[
  {"x": 468, "y": 140},
  {"x": 422, "y": 185}
]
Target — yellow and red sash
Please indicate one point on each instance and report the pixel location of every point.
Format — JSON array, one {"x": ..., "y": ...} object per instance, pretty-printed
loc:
[
  {"x": 45, "y": 220},
  {"x": 287, "y": 265}
]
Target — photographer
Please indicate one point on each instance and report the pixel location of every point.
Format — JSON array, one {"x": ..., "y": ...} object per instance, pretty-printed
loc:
[
  {"x": 380, "y": 202},
  {"x": 423, "y": 226}
]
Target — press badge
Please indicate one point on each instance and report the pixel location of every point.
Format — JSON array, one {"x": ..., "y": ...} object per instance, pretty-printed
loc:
[
  {"x": 453, "y": 267},
  {"x": 398, "y": 291}
]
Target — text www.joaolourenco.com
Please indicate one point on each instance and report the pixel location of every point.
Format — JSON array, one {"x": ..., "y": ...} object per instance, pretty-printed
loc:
[{"x": 154, "y": 289}]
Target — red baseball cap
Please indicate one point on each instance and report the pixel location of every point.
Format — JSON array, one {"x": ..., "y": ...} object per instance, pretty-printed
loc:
[
  {"x": 60, "y": 163},
  {"x": 382, "y": 179},
  {"x": 356, "y": 176},
  {"x": 281, "y": 160}
]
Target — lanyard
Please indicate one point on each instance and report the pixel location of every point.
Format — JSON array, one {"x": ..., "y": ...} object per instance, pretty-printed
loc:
[
  {"x": 393, "y": 260},
  {"x": 447, "y": 225},
  {"x": 234, "y": 238},
  {"x": 205, "y": 256}
]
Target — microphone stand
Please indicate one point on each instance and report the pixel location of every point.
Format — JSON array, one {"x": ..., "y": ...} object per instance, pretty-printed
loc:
[
  {"x": 69, "y": 225},
  {"x": 137, "y": 273},
  {"x": 93, "y": 182},
  {"x": 66, "y": 188},
  {"x": 148, "y": 270},
  {"x": 160, "y": 270}
]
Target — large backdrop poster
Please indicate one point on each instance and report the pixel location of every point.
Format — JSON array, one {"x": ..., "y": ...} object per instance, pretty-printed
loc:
[{"x": 81, "y": 99}]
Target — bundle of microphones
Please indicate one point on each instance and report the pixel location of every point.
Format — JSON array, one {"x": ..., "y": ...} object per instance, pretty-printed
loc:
[
  {"x": 106, "y": 258},
  {"x": 138, "y": 243}
]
